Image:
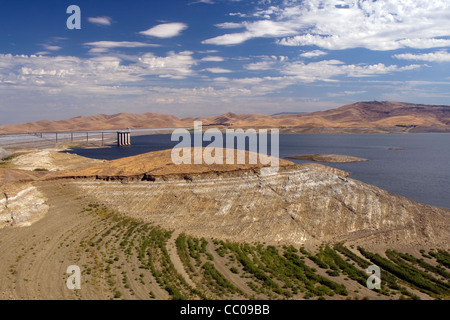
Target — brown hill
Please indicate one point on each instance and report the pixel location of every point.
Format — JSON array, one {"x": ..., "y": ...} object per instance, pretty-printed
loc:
[
  {"x": 159, "y": 165},
  {"x": 384, "y": 114},
  {"x": 301, "y": 204},
  {"x": 374, "y": 114},
  {"x": 100, "y": 122}
]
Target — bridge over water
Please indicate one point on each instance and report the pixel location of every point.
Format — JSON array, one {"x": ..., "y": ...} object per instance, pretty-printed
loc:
[
  {"x": 41, "y": 140},
  {"x": 53, "y": 139}
]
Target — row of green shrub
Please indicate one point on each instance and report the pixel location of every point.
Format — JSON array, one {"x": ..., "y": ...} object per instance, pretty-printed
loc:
[{"x": 411, "y": 275}]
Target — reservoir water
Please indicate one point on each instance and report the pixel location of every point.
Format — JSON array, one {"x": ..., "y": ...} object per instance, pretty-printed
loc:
[{"x": 419, "y": 171}]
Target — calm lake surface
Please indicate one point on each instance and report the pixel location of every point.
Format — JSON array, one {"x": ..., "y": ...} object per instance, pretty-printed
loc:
[{"x": 421, "y": 171}]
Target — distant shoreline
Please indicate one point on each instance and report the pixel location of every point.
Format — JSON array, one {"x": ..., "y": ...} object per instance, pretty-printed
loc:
[
  {"x": 331, "y": 158},
  {"x": 359, "y": 117},
  {"x": 292, "y": 130},
  {"x": 48, "y": 139}
]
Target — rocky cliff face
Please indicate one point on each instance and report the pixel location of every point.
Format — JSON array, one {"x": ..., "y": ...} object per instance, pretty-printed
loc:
[
  {"x": 307, "y": 203},
  {"x": 25, "y": 207},
  {"x": 4, "y": 153},
  {"x": 301, "y": 204}
]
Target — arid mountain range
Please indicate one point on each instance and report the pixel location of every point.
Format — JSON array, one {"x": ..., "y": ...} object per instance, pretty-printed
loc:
[{"x": 373, "y": 116}]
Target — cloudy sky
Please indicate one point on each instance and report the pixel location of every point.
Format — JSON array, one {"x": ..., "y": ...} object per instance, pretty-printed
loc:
[{"x": 208, "y": 57}]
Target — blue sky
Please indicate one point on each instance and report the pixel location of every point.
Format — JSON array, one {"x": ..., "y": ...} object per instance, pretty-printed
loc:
[{"x": 208, "y": 57}]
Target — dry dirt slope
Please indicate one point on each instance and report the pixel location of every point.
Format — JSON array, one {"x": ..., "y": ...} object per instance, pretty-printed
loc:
[
  {"x": 126, "y": 258},
  {"x": 122, "y": 258},
  {"x": 298, "y": 204}
]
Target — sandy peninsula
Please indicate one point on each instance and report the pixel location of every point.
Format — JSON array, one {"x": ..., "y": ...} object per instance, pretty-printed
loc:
[{"x": 332, "y": 158}]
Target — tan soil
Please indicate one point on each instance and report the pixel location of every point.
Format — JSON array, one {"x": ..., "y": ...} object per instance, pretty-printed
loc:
[
  {"x": 391, "y": 115},
  {"x": 328, "y": 158},
  {"x": 52, "y": 160},
  {"x": 216, "y": 202}
]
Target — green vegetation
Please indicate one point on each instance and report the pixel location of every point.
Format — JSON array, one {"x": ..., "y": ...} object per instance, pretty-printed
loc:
[
  {"x": 442, "y": 257},
  {"x": 134, "y": 241},
  {"x": 11, "y": 157},
  {"x": 5, "y": 163},
  {"x": 408, "y": 273},
  {"x": 278, "y": 275},
  {"x": 420, "y": 262},
  {"x": 130, "y": 257},
  {"x": 216, "y": 280},
  {"x": 388, "y": 280},
  {"x": 183, "y": 252},
  {"x": 198, "y": 261}
]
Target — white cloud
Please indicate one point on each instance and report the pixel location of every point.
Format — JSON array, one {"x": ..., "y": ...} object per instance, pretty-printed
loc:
[
  {"x": 104, "y": 46},
  {"x": 229, "y": 25},
  {"x": 221, "y": 79},
  {"x": 217, "y": 70},
  {"x": 257, "y": 29},
  {"x": 174, "y": 66},
  {"x": 71, "y": 75},
  {"x": 166, "y": 30},
  {"x": 203, "y": 1},
  {"x": 439, "y": 56},
  {"x": 51, "y": 47},
  {"x": 229, "y": 39},
  {"x": 260, "y": 86},
  {"x": 346, "y": 93},
  {"x": 212, "y": 59},
  {"x": 328, "y": 69},
  {"x": 376, "y": 25},
  {"x": 104, "y": 21},
  {"x": 78, "y": 76},
  {"x": 98, "y": 50},
  {"x": 68, "y": 86},
  {"x": 238, "y": 14},
  {"x": 249, "y": 81},
  {"x": 262, "y": 65},
  {"x": 208, "y": 51},
  {"x": 424, "y": 43},
  {"x": 344, "y": 24},
  {"x": 119, "y": 44},
  {"x": 267, "y": 63},
  {"x": 313, "y": 54}
]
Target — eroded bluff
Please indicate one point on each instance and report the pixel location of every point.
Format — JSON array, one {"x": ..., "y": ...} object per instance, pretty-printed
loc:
[{"x": 307, "y": 203}]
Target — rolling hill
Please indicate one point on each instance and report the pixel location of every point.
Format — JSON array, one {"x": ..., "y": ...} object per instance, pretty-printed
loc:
[{"x": 370, "y": 116}]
